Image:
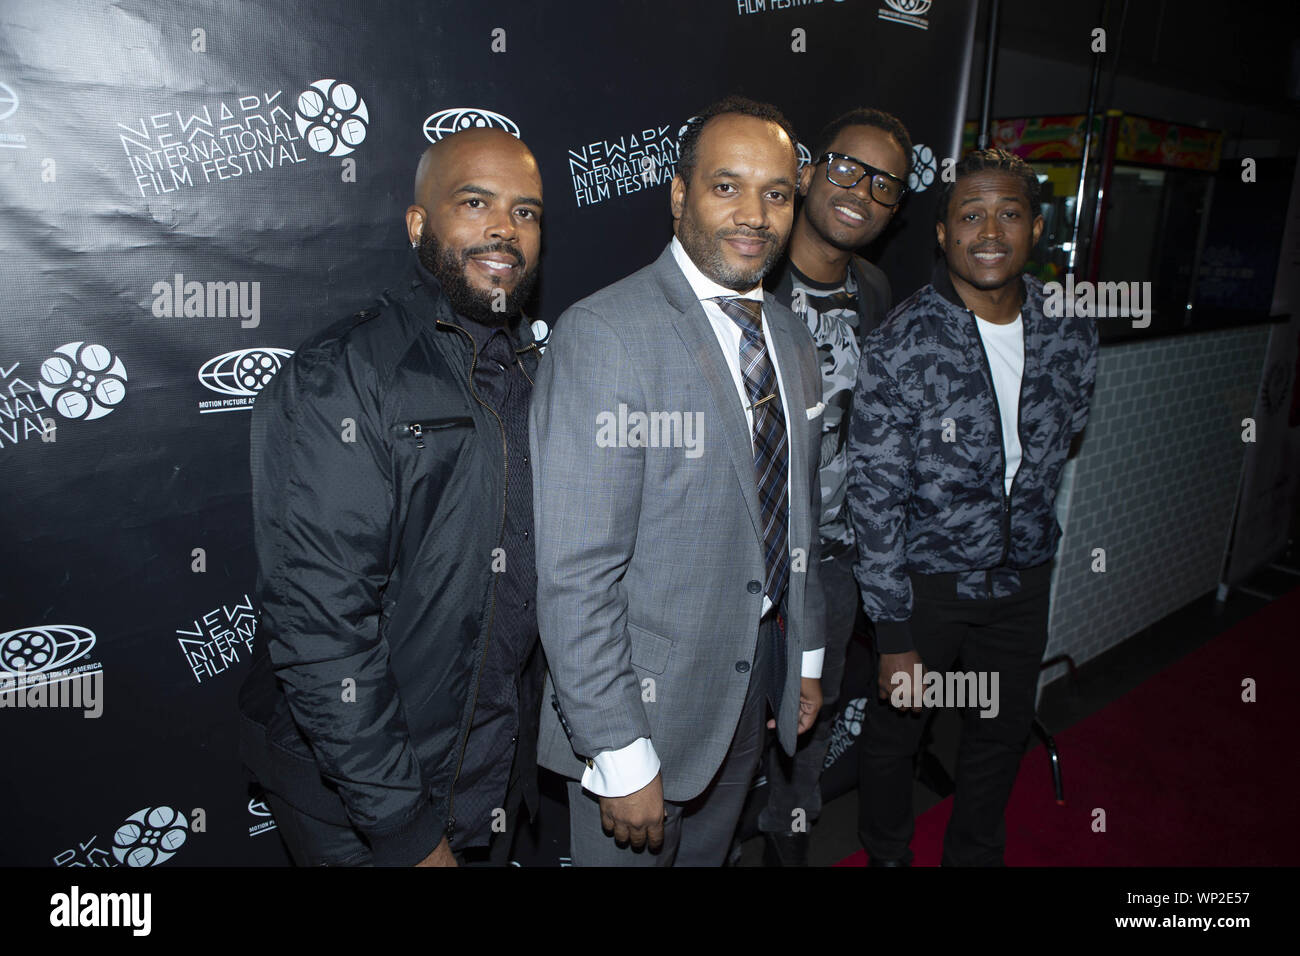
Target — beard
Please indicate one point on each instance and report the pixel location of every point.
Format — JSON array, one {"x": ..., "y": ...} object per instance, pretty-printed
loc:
[
  {"x": 706, "y": 252},
  {"x": 478, "y": 305}
]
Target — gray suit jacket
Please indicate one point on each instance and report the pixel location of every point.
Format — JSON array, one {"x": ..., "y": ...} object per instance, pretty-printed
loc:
[{"x": 647, "y": 557}]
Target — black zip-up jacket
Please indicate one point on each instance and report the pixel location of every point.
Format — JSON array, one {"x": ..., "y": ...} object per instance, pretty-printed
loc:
[
  {"x": 927, "y": 491},
  {"x": 379, "y": 490}
]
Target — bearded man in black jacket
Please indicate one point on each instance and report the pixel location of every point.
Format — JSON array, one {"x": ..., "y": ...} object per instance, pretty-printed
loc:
[{"x": 391, "y": 713}]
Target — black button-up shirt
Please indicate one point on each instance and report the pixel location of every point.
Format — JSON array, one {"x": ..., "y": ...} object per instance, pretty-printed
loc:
[{"x": 501, "y": 383}]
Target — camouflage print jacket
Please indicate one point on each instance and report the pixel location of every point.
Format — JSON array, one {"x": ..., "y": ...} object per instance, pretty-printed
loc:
[{"x": 926, "y": 484}]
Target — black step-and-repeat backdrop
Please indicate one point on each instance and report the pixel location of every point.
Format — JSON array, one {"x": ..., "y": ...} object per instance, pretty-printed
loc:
[{"x": 188, "y": 189}]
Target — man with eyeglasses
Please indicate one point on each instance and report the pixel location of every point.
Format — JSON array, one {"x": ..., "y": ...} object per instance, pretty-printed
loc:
[{"x": 850, "y": 194}]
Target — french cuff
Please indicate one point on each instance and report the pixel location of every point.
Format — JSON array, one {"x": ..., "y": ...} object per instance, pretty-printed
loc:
[
  {"x": 812, "y": 663},
  {"x": 894, "y": 637},
  {"x": 409, "y": 842},
  {"x": 616, "y": 773}
]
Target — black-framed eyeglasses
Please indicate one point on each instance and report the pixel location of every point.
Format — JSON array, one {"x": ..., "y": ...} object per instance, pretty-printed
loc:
[{"x": 847, "y": 171}]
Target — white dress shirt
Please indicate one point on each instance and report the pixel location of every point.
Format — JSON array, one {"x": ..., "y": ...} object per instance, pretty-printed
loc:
[{"x": 617, "y": 773}]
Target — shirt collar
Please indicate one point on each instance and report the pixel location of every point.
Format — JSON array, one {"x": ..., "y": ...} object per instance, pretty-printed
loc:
[{"x": 702, "y": 285}]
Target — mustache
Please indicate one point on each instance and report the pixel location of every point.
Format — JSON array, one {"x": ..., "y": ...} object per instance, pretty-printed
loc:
[
  {"x": 503, "y": 247},
  {"x": 989, "y": 247},
  {"x": 766, "y": 235}
]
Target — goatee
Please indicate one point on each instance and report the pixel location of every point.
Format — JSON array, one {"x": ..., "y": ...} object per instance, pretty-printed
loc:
[{"x": 490, "y": 308}]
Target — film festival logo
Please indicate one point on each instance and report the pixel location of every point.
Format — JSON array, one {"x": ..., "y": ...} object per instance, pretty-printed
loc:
[
  {"x": 21, "y": 408},
  {"x": 8, "y": 107},
  {"x": 148, "y": 837},
  {"x": 173, "y": 150},
  {"x": 911, "y": 13},
  {"x": 744, "y": 7},
  {"x": 218, "y": 639},
  {"x": 238, "y": 377},
  {"x": 39, "y": 669},
  {"x": 619, "y": 167},
  {"x": 81, "y": 381}
]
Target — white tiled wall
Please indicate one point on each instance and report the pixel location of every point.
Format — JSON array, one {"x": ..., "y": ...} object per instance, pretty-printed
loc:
[{"x": 1154, "y": 485}]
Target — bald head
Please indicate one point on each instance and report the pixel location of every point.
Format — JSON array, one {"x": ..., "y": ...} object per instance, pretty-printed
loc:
[
  {"x": 477, "y": 220},
  {"x": 463, "y": 150}
]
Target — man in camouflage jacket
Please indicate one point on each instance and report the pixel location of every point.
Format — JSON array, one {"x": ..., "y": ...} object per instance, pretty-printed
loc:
[{"x": 967, "y": 400}]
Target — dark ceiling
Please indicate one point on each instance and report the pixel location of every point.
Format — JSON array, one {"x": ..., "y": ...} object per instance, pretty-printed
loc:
[{"x": 1248, "y": 52}]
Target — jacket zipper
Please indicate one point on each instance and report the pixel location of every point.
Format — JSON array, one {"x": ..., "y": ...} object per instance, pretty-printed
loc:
[
  {"x": 417, "y": 430},
  {"x": 478, "y": 674},
  {"x": 997, "y": 413}
]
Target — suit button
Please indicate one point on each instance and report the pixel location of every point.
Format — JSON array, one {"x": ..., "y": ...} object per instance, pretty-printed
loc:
[
  {"x": 742, "y": 666},
  {"x": 754, "y": 586}
]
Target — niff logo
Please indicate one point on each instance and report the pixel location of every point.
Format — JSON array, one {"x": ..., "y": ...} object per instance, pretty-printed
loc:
[
  {"x": 331, "y": 117},
  {"x": 33, "y": 650},
  {"x": 82, "y": 381},
  {"x": 150, "y": 836},
  {"x": 8, "y": 101},
  {"x": 438, "y": 126},
  {"x": 923, "y": 170},
  {"x": 244, "y": 372},
  {"x": 541, "y": 334}
]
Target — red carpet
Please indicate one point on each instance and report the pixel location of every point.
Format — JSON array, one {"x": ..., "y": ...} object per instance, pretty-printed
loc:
[{"x": 1187, "y": 773}]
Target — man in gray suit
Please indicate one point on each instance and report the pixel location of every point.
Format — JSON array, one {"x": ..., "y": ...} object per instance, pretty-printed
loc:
[{"x": 675, "y": 424}]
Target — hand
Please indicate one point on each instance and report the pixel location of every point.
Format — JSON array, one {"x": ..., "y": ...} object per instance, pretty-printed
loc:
[
  {"x": 810, "y": 702},
  {"x": 904, "y": 663},
  {"x": 638, "y": 818},
  {"x": 440, "y": 856}
]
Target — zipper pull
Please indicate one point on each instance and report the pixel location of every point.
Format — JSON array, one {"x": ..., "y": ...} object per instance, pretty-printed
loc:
[{"x": 417, "y": 430}]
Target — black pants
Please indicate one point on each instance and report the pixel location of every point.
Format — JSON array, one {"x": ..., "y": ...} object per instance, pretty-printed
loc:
[
  {"x": 313, "y": 842},
  {"x": 1005, "y": 635}
]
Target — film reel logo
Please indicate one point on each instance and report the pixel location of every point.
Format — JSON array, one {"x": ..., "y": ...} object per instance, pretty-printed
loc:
[
  {"x": 34, "y": 650},
  {"x": 244, "y": 372},
  {"x": 331, "y": 117},
  {"x": 150, "y": 836},
  {"x": 924, "y": 168},
  {"x": 82, "y": 381},
  {"x": 438, "y": 126}
]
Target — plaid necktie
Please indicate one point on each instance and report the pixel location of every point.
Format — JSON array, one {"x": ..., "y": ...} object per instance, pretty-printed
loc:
[{"x": 771, "y": 465}]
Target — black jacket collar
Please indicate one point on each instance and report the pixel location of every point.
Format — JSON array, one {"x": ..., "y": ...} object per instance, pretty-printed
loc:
[
  {"x": 941, "y": 279},
  {"x": 519, "y": 331}
]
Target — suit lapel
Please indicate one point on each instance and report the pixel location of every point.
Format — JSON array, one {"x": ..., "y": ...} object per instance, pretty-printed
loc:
[{"x": 697, "y": 335}]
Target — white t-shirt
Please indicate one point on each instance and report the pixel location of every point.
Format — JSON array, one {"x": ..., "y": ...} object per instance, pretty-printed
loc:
[{"x": 1005, "y": 347}]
